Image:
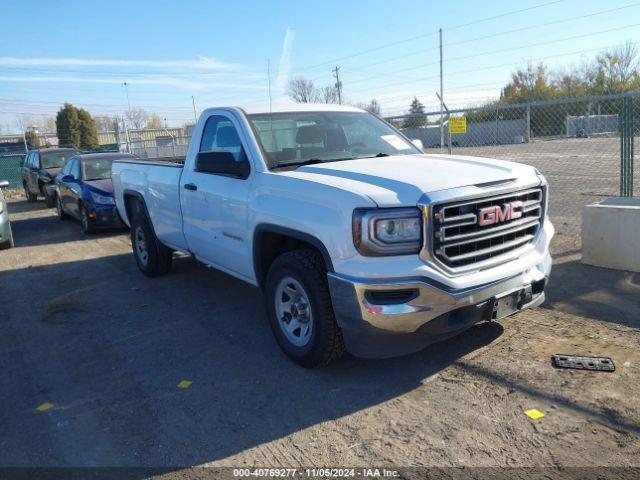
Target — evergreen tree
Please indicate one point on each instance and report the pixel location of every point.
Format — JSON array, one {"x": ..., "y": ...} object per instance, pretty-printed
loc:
[
  {"x": 416, "y": 108},
  {"x": 88, "y": 131},
  {"x": 67, "y": 123}
]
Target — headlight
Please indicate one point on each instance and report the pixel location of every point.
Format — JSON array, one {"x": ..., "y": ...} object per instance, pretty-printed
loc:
[
  {"x": 102, "y": 199},
  {"x": 387, "y": 231}
]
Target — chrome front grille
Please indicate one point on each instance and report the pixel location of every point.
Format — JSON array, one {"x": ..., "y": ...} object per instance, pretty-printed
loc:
[{"x": 469, "y": 232}]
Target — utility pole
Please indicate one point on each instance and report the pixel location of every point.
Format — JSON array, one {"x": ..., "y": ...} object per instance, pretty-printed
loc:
[
  {"x": 195, "y": 115},
  {"x": 336, "y": 72},
  {"x": 441, "y": 96},
  {"x": 126, "y": 91}
]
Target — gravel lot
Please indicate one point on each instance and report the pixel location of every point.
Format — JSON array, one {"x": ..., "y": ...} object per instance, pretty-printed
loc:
[{"x": 82, "y": 329}]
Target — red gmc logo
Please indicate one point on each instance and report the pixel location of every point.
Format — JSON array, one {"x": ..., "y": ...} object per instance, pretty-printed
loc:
[{"x": 499, "y": 214}]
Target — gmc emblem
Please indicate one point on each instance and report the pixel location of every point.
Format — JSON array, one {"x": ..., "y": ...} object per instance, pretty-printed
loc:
[{"x": 499, "y": 214}]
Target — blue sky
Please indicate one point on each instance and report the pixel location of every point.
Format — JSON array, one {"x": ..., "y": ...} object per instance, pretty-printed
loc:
[{"x": 217, "y": 51}]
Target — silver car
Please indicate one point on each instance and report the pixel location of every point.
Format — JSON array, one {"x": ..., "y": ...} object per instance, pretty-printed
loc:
[{"x": 6, "y": 237}]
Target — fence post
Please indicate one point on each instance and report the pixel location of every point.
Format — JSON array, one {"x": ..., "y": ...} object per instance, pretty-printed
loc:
[
  {"x": 626, "y": 147},
  {"x": 528, "y": 122}
]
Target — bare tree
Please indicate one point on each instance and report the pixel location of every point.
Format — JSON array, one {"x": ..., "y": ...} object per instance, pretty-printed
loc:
[
  {"x": 155, "y": 121},
  {"x": 329, "y": 94},
  {"x": 105, "y": 123},
  {"x": 302, "y": 90},
  {"x": 373, "y": 106},
  {"x": 137, "y": 118}
]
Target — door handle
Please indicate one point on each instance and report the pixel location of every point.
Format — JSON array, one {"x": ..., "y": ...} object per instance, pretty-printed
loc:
[{"x": 191, "y": 186}]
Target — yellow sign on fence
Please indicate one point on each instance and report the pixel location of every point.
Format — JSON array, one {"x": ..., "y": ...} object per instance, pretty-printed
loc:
[{"x": 458, "y": 125}]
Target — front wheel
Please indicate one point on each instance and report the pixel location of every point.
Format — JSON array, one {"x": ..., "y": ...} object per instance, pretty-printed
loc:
[
  {"x": 85, "y": 222},
  {"x": 9, "y": 242},
  {"x": 152, "y": 257},
  {"x": 300, "y": 310},
  {"x": 60, "y": 210}
]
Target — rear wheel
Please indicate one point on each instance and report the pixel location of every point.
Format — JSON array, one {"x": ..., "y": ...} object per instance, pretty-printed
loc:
[
  {"x": 300, "y": 310},
  {"x": 49, "y": 199},
  {"x": 31, "y": 197},
  {"x": 152, "y": 257},
  {"x": 85, "y": 222}
]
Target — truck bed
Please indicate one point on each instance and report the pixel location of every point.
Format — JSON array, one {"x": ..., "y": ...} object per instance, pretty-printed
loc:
[{"x": 158, "y": 183}]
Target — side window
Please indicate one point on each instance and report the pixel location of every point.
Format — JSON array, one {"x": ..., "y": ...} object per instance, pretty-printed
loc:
[{"x": 220, "y": 135}]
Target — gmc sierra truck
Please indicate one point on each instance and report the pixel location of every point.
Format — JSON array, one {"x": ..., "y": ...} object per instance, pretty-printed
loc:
[{"x": 358, "y": 240}]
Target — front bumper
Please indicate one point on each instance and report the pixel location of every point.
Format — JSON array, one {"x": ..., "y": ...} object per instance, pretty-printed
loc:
[
  {"x": 389, "y": 318},
  {"x": 104, "y": 216}
]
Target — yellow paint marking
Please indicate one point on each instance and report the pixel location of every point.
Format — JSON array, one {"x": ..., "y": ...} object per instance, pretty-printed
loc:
[
  {"x": 534, "y": 414},
  {"x": 185, "y": 384},
  {"x": 43, "y": 407}
]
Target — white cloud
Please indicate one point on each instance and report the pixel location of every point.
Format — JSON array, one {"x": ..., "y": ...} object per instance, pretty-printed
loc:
[
  {"x": 284, "y": 68},
  {"x": 201, "y": 62},
  {"x": 150, "y": 80}
]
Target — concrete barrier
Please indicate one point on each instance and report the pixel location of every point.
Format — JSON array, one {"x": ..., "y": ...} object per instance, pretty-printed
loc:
[{"x": 611, "y": 234}]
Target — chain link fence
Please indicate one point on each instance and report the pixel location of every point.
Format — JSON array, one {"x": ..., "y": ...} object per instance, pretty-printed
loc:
[{"x": 584, "y": 146}]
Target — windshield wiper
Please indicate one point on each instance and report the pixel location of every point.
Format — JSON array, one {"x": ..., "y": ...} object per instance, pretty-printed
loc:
[
  {"x": 377, "y": 155},
  {"x": 310, "y": 161}
]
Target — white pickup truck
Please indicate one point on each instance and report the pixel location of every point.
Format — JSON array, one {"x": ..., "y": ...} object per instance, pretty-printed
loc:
[{"x": 359, "y": 241}]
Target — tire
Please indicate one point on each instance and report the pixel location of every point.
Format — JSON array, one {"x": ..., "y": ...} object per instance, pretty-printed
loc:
[
  {"x": 49, "y": 200},
  {"x": 9, "y": 243},
  {"x": 152, "y": 257},
  {"x": 31, "y": 197},
  {"x": 303, "y": 272},
  {"x": 59, "y": 209},
  {"x": 85, "y": 222}
]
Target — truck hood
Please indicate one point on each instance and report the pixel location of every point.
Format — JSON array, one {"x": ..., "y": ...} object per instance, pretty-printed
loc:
[{"x": 403, "y": 179}]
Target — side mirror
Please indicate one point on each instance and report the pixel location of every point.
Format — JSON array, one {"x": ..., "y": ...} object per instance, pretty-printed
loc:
[
  {"x": 221, "y": 162},
  {"x": 68, "y": 178},
  {"x": 4, "y": 183},
  {"x": 418, "y": 143}
]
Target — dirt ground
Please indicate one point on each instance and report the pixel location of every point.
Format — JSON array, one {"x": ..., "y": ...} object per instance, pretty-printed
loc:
[{"x": 82, "y": 329}]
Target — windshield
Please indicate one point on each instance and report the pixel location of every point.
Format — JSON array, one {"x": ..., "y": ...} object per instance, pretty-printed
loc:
[
  {"x": 294, "y": 138},
  {"x": 55, "y": 159},
  {"x": 96, "y": 169}
]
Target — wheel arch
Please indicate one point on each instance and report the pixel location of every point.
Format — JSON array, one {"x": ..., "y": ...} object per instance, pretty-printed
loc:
[
  {"x": 133, "y": 203},
  {"x": 270, "y": 241}
]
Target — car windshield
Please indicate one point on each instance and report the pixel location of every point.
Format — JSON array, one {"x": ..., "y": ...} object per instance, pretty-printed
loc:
[
  {"x": 55, "y": 159},
  {"x": 96, "y": 169},
  {"x": 295, "y": 138}
]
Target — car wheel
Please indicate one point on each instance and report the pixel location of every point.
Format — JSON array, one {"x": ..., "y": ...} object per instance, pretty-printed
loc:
[
  {"x": 85, "y": 222},
  {"x": 9, "y": 243},
  {"x": 49, "y": 200},
  {"x": 60, "y": 210},
  {"x": 31, "y": 197},
  {"x": 152, "y": 257},
  {"x": 300, "y": 310}
]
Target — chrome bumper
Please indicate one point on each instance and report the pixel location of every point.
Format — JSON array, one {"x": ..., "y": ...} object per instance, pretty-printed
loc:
[{"x": 427, "y": 313}]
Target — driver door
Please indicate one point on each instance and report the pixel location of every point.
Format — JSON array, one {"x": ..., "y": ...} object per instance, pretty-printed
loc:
[{"x": 215, "y": 204}]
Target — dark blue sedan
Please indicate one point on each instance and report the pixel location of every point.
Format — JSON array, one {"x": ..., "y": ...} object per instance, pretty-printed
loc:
[{"x": 84, "y": 190}]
